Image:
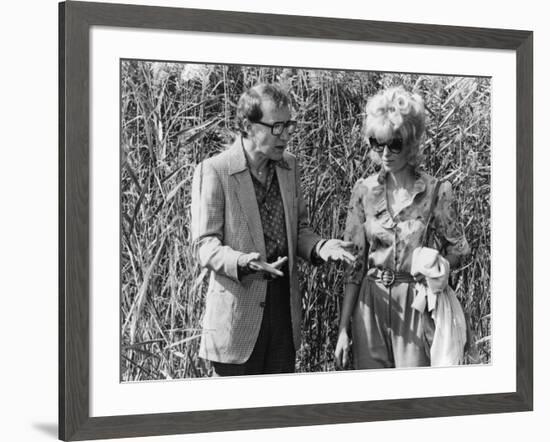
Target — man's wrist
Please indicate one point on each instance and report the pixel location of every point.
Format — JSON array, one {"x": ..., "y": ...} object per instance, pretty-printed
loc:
[
  {"x": 319, "y": 246},
  {"x": 316, "y": 252},
  {"x": 243, "y": 268}
]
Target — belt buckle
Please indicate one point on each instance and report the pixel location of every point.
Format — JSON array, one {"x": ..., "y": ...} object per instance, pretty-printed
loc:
[{"x": 391, "y": 275}]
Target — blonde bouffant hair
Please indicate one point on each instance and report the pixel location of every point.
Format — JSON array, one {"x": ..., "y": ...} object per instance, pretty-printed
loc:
[{"x": 396, "y": 113}]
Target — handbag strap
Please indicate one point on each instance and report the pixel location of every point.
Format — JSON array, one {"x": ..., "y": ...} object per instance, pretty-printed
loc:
[{"x": 435, "y": 195}]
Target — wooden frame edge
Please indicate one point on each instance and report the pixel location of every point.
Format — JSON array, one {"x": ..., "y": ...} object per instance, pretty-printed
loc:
[{"x": 75, "y": 423}]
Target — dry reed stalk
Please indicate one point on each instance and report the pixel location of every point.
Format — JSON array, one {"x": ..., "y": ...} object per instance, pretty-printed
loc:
[{"x": 139, "y": 301}]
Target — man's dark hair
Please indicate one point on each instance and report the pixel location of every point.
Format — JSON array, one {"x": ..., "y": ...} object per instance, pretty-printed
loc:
[{"x": 249, "y": 106}]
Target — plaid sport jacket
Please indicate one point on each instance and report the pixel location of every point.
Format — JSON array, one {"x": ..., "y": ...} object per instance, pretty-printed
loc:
[{"x": 225, "y": 224}]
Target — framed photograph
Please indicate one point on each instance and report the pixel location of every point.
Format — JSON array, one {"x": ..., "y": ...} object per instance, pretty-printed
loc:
[{"x": 250, "y": 230}]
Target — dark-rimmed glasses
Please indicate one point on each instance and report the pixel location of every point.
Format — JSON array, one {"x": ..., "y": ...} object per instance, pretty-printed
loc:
[
  {"x": 395, "y": 146},
  {"x": 278, "y": 127}
]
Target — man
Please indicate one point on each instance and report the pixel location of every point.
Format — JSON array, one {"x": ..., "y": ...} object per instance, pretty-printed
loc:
[{"x": 249, "y": 223}]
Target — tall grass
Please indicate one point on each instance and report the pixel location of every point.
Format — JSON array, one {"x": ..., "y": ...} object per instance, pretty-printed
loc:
[{"x": 175, "y": 115}]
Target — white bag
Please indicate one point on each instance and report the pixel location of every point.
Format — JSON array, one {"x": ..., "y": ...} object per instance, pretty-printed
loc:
[
  {"x": 450, "y": 331},
  {"x": 440, "y": 300}
]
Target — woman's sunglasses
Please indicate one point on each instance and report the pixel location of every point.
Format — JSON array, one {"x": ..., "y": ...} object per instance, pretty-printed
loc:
[{"x": 395, "y": 146}]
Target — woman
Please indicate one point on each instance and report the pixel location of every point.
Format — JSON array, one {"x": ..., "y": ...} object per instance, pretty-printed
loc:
[{"x": 388, "y": 218}]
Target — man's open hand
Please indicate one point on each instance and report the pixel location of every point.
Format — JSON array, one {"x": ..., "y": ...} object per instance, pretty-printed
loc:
[{"x": 337, "y": 250}]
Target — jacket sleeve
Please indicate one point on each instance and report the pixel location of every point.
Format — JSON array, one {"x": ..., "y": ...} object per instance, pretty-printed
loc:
[
  {"x": 207, "y": 223},
  {"x": 307, "y": 239},
  {"x": 355, "y": 232}
]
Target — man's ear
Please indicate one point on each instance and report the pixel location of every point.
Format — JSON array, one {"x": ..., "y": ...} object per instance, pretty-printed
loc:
[{"x": 247, "y": 127}]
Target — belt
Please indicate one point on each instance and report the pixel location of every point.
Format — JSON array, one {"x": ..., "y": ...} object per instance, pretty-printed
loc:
[{"x": 388, "y": 277}]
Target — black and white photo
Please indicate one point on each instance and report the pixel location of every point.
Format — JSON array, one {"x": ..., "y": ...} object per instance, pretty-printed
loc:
[{"x": 290, "y": 220}]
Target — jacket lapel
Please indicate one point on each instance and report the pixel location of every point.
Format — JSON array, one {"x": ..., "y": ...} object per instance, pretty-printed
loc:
[
  {"x": 246, "y": 195},
  {"x": 286, "y": 178}
]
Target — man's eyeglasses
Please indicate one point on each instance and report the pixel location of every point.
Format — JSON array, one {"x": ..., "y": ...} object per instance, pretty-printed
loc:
[
  {"x": 395, "y": 146},
  {"x": 278, "y": 127}
]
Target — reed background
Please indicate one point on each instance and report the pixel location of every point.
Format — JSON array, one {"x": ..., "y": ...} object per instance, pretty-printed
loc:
[{"x": 174, "y": 115}]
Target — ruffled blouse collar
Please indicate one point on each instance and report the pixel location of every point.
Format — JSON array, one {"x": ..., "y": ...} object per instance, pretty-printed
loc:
[{"x": 382, "y": 210}]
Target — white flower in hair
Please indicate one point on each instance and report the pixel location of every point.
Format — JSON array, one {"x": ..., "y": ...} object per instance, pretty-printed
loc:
[
  {"x": 396, "y": 105},
  {"x": 402, "y": 103},
  {"x": 388, "y": 110}
]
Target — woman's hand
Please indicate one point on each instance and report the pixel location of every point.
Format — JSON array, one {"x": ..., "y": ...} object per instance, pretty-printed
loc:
[{"x": 342, "y": 349}]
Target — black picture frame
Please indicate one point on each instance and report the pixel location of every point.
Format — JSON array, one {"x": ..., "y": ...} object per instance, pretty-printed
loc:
[{"x": 75, "y": 20}]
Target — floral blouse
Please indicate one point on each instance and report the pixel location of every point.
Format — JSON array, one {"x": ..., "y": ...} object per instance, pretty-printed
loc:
[{"x": 386, "y": 239}]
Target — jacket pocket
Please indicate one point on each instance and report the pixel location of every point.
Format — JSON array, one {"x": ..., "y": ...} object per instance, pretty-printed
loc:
[{"x": 219, "y": 313}]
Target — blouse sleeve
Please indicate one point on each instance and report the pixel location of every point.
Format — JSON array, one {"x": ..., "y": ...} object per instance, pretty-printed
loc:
[
  {"x": 355, "y": 232},
  {"x": 447, "y": 227}
]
